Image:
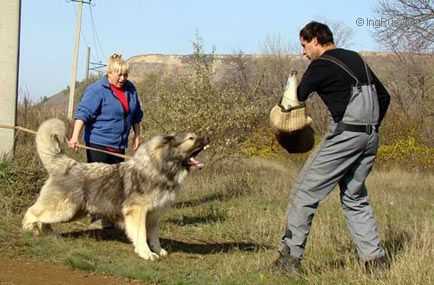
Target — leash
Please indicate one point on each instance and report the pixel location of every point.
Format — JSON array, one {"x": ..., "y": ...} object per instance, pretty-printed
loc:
[
  {"x": 78, "y": 145},
  {"x": 18, "y": 128}
]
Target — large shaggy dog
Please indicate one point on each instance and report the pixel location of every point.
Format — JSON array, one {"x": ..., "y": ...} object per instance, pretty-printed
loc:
[{"x": 131, "y": 194}]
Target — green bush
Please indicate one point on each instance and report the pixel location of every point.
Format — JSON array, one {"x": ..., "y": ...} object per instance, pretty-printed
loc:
[{"x": 407, "y": 152}]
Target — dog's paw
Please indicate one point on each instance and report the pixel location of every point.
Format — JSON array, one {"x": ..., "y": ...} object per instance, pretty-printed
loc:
[
  {"x": 38, "y": 229},
  {"x": 27, "y": 227},
  {"x": 46, "y": 229},
  {"x": 162, "y": 252},
  {"x": 148, "y": 255},
  {"x": 31, "y": 229}
]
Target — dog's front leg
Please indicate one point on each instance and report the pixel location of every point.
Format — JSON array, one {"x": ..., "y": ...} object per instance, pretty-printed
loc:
[
  {"x": 153, "y": 227},
  {"x": 135, "y": 228}
]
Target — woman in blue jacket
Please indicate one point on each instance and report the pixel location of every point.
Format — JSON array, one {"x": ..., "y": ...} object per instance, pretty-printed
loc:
[{"x": 108, "y": 110}]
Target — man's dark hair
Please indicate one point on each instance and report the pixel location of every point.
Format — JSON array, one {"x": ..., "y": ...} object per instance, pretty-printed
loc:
[{"x": 319, "y": 31}]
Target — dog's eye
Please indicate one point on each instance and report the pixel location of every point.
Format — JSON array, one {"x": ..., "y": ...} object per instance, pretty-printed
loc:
[{"x": 191, "y": 138}]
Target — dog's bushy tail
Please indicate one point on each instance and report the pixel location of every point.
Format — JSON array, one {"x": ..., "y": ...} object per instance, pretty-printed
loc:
[{"x": 50, "y": 140}]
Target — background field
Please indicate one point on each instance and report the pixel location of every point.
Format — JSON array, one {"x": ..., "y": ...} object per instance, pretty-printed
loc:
[{"x": 228, "y": 220}]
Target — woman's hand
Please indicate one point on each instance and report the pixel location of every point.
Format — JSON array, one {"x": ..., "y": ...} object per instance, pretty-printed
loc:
[
  {"x": 136, "y": 142},
  {"x": 73, "y": 141},
  {"x": 136, "y": 139}
]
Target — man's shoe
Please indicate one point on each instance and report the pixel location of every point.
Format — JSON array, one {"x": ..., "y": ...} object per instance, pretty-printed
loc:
[
  {"x": 377, "y": 264},
  {"x": 286, "y": 263}
]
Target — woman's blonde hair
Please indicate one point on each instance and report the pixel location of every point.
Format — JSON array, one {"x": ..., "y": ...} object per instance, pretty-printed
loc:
[{"x": 116, "y": 64}]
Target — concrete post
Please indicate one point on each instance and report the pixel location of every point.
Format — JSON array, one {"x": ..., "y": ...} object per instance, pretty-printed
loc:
[{"x": 9, "y": 63}]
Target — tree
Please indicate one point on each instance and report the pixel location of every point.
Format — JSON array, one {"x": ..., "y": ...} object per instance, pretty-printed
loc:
[
  {"x": 406, "y": 25},
  {"x": 407, "y": 29},
  {"x": 342, "y": 34}
]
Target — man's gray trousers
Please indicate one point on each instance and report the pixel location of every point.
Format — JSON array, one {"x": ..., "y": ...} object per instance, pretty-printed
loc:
[{"x": 344, "y": 158}]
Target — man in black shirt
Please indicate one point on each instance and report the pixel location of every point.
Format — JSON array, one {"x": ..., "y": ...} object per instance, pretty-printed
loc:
[{"x": 357, "y": 102}]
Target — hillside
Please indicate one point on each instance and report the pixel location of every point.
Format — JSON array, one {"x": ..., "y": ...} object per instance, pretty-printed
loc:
[{"x": 142, "y": 65}]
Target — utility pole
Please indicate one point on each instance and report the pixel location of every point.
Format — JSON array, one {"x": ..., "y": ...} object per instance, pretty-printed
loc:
[
  {"x": 9, "y": 60},
  {"x": 93, "y": 66},
  {"x": 87, "y": 62},
  {"x": 97, "y": 66},
  {"x": 75, "y": 56}
]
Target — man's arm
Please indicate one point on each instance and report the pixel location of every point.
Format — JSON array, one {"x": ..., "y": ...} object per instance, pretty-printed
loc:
[{"x": 312, "y": 78}]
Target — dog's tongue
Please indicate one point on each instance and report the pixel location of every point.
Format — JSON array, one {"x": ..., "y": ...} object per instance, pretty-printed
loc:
[{"x": 195, "y": 163}]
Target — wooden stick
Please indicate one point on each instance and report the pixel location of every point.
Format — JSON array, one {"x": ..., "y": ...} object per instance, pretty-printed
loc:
[{"x": 78, "y": 145}]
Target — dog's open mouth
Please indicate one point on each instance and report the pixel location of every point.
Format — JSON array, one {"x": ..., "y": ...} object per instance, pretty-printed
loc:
[{"x": 192, "y": 162}]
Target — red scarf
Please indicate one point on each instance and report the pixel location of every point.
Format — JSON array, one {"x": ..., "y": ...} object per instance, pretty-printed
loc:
[{"x": 120, "y": 94}]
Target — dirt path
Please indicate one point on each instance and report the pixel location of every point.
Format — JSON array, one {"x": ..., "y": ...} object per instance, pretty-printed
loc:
[{"x": 25, "y": 272}]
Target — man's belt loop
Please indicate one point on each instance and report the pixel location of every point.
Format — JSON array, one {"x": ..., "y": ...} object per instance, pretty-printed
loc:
[{"x": 369, "y": 129}]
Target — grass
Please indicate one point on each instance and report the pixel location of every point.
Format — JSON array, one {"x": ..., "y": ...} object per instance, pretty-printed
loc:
[
  {"x": 227, "y": 222},
  {"x": 226, "y": 225}
]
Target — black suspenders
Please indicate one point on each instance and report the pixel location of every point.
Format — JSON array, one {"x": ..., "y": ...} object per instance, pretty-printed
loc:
[
  {"x": 347, "y": 69},
  {"x": 341, "y": 126}
]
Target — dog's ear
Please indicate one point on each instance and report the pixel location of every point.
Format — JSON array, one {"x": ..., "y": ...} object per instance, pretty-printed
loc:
[
  {"x": 168, "y": 138},
  {"x": 58, "y": 142}
]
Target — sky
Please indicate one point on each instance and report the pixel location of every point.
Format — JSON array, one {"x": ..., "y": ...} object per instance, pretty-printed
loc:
[{"x": 134, "y": 27}]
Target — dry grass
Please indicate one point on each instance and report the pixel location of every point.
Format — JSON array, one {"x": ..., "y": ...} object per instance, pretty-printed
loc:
[
  {"x": 229, "y": 218},
  {"x": 227, "y": 224}
]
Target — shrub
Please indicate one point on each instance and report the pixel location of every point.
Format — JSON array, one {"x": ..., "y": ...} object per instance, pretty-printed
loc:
[{"x": 407, "y": 152}]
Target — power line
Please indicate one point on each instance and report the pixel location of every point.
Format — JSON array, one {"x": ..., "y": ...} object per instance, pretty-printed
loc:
[
  {"x": 85, "y": 38},
  {"x": 89, "y": 45},
  {"x": 82, "y": 1},
  {"x": 95, "y": 34},
  {"x": 87, "y": 42},
  {"x": 91, "y": 4},
  {"x": 95, "y": 64}
]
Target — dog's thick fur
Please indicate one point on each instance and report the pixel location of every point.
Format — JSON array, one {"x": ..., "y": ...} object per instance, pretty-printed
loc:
[{"x": 131, "y": 194}]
